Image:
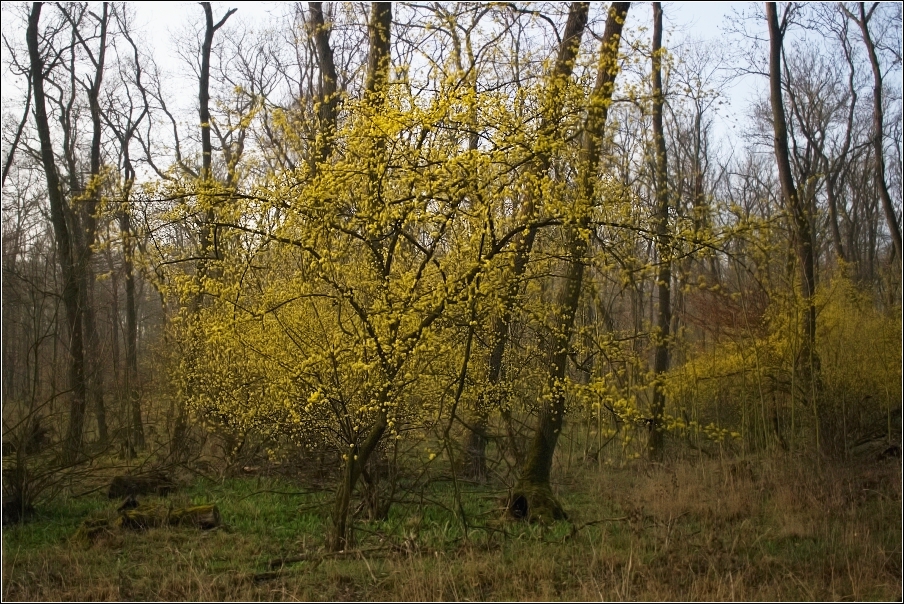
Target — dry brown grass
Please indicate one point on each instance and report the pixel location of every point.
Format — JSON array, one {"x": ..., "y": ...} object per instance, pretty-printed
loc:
[{"x": 773, "y": 529}]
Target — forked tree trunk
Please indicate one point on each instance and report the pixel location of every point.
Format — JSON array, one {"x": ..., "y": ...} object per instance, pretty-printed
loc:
[
  {"x": 475, "y": 448},
  {"x": 533, "y": 497},
  {"x": 354, "y": 463}
]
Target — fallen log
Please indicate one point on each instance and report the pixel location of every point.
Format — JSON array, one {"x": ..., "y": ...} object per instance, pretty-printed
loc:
[
  {"x": 204, "y": 517},
  {"x": 144, "y": 517}
]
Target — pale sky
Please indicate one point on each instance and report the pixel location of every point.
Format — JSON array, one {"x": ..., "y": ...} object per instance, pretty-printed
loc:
[{"x": 159, "y": 23}]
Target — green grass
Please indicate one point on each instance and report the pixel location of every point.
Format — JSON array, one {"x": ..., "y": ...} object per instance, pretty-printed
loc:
[{"x": 787, "y": 530}]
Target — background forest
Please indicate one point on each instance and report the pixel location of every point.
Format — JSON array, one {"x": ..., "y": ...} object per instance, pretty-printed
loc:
[{"x": 437, "y": 269}]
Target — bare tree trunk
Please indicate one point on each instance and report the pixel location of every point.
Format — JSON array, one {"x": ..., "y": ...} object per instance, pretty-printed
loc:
[
  {"x": 878, "y": 125},
  {"x": 90, "y": 222},
  {"x": 808, "y": 359},
  {"x": 125, "y": 133},
  {"x": 68, "y": 261},
  {"x": 664, "y": 278},
  {"x": 8, "y": 162},
  {"x": 329, "y": 99},
  {"x": 83, "y": 209},
  {"x": 136, "y": 433},
  {"x": 533, "y": 497},
  {"x": 206, "y": 175}
]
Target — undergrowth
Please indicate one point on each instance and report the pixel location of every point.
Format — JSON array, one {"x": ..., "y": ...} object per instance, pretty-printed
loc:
[{"x": 778, "y": 528}]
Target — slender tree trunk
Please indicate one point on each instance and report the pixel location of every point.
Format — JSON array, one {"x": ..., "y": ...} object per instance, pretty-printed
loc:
[
  {"x": 93, "y": 350},
  {"x": 808, "y": 359},
  {"x": 533, "y": 497},
  {"x": 206, "y": 175},
  {"x": 136, "y": 433},
  {"x": 90, "y": 230},
  {"x": 879, "y": 127},
  {"x": 206, "y": 246},
  {"x": 8, "y": 162},
  {"x": 357, "y": 456},
  {"x": 832, "y": 195},
  {"x": 664, "y": 278},
  {"x": 67, "y": 258}
]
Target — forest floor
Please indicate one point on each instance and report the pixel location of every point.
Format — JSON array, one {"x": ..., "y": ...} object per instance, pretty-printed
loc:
[{"x": 746, "y": 529}]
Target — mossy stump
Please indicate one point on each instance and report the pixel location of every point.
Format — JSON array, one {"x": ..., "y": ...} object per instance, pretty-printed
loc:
[
  {"x": 535, "y": 504},
  {"x": 144, "y": 517},
  {"x": 205, "y": 516}
]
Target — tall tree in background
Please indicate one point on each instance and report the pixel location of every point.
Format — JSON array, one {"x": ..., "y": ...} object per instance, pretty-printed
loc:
[
  {"x": 664, "y": 277},
  {"x": 862, "y": 19},
  {"x": 206, "y": 174},
  {"x": 808, "y": 358},
  {"x": 68, "y": 259},
  {"x": 123, "y": 116},
  {"x": 523, "y": 245},
  {"x": 87, "y": 201}
]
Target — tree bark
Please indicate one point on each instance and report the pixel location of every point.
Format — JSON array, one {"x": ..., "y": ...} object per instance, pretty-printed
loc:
[
  {"x": 329, "y": 99},
  {"x": 879, "y": 126},
  {"x": 206, "y": 174},
  {"x": 64, "y": 242},
  {"x": 477, "y": 437},
  {"x": 664, "y": 278},
  {"x": 136, "y": 433},
  {"x": 808, "y": 359},
  {"x": 533, "y": 497},
  {"x": 90, "y": 230}
]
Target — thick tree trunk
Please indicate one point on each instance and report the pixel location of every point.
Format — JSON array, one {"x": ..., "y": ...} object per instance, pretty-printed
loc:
[
  {"x": 476, "y": 440},
  {"x": 664, "y": 278},
  {"x": 67, "y": 258},
  {"x": 533, "y": 497}
]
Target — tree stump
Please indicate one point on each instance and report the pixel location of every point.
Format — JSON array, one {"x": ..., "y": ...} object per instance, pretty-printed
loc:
[{"x": 535, "y": 504}]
